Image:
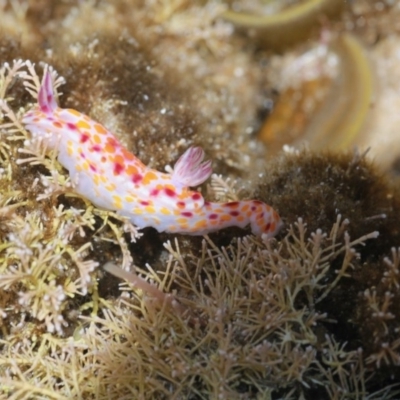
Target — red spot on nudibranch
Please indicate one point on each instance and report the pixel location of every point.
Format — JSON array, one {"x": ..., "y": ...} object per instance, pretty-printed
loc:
[
  {"x": 118, "y": 168},
  {"x": 234, "y": 213},
  {"x": 96, "y": 148},
  {"x": 196, "y": 196},
  {"x": 232, "y": 204},
  {"x": 181, "y": 204},
  {"x": 170, "y": 192},
  {"x": 71, "y": 126},
  {"x": 187, "y": 214},
  {"x": 144, "y": 203},
  {"x": 268, "y": 226},
  {"x": 84, "y": 138},
  {"x": 136, "y": 178},
  {"x": 213, "y": 216},
  {"x": 82, "y": 155},
  {"x": 154, "y": 192},
  {"x": 92, "y": 167}
]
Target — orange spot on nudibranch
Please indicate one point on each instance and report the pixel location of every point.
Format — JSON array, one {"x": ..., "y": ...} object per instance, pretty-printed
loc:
[
  {"x": 165, "y": 211},
  {"x": 127, "y": 154},
  {"x": 97, "y": 139},
  {"x": 83, "y": 125},
  {"x": 245, "y": 208},
  {"x": 150, "y": 209},
  {"x": 200, "y": 224},
  {"x": 109, "y": 148},
  {"x": 57, "y": 124},
  {"x": 129, "y": 199},
  {"x": 148, "y": 177},
  {"x": 74, "y": 112},
  {"x": 131, "y": 170},
  {"x": 100, "y": 129},
  {"x": 119, "y": 159},
  {"x": 117, "y": 201}
]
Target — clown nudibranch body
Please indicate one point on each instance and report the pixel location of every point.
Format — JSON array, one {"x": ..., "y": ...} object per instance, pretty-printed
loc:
[{"x": 111, "y": 177}]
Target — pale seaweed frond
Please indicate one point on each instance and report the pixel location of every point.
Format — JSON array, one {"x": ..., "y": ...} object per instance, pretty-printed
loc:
[{"x": 223, "y": 189}]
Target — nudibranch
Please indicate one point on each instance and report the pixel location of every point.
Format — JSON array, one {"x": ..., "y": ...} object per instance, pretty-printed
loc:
[{"x": 106, "y": 173}]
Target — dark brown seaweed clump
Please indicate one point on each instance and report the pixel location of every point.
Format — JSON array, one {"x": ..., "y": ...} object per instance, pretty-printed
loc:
[{"x": 319, "y": 186}]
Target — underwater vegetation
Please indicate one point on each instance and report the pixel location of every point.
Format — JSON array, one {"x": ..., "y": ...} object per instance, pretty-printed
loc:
[
  {"x": 255, "y": 317},
  {"x": 312, "y": 313}
]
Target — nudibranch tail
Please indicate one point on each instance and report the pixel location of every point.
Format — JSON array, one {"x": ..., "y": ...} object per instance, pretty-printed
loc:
[
  {"x": 106, "y": 173},
  {"x": 263, "y": 219},
  {"x": 190, "y": 170}
]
